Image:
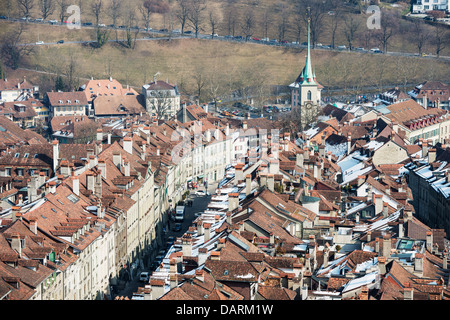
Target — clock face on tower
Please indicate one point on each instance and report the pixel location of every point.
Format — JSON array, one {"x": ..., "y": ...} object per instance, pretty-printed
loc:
[{"x": 308, "y": 105}]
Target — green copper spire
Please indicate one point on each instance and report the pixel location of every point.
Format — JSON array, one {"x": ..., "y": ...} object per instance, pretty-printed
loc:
[{"x": 308, "y": 76}]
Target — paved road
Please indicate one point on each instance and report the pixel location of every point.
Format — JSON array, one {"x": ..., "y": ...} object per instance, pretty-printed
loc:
[
  {"x": 172, "y": 35},
  {"x": 199, "y": 204}
]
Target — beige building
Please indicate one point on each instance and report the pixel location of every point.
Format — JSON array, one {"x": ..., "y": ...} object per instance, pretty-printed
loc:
[{"x": 419, "y": 123}]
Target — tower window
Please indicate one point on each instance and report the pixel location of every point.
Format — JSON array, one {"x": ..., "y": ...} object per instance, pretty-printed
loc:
[{"x": 309, "y": 94}]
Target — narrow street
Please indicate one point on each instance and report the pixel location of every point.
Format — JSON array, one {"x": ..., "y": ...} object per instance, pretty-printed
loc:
[{"x": 199, "y": 204}]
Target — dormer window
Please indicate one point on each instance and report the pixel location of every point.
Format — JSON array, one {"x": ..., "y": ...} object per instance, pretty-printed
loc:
[{"x": 60, "y": 101}]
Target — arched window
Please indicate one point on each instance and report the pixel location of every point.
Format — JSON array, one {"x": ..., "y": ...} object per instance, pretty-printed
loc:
[{"x": 309, "y": 95}]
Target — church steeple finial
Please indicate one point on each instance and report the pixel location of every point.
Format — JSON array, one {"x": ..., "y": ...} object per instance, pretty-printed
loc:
[{"x": 308, "y": 69}]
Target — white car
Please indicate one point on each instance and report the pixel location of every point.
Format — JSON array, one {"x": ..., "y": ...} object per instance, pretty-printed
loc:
[
  {"x": 40, "y": 42},
  {"x": 200, "y": 193}
]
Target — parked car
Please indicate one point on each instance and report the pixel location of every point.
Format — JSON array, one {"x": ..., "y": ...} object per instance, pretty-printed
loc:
[
  {"x": 176, "y": 31},
  {"x": 177, "y": 227},
  {"x": 188, "y": 32},
  {"x": 60, "y": 41},
  {"x": 342, "y": 47},
  {"x": 40, "y": 42},
  {"x": 144, "y": 277},
  {"x": 200, "y": 193},
  {"x": 359, "y": 49}
]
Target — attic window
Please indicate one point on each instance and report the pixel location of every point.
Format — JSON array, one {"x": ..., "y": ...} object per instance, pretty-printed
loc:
[
  {"x": 53, "y": 210},
  {"x": 225, "y": 273},
  {"x": 16, "y": 155},
  {"x": 77, "y": 101},
  {"x": 26, "y": 155}
]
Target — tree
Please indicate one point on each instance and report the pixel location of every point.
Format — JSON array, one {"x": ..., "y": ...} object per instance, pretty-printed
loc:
[
  {"x": 62, "y": 9},
  {"x": 47, "y": 8},
  {"x": 350, "y": 28},
  {"x": 213, "y": 21},
  {"x": 440, "y": 39},
  {"x": 195, "y": 16},
  {"x": 231, "y": 16},
  {"x": 335, "y": 21},
  {"x": 152, "y": 6},
  {"x": 282, "y": 23},
  {"x": 182, "y": 12},
  {"x": 248, "y": 23},
  {"x": 12, "y": 51},
  {"x": 419, "y": 35},
  {"x": 114, "y": 10},
  {"x": 102, "y": 37},
  {"x": 59, "y": 84},
  {"x": 316, "y": 11},
  {"x": 266, "y": 21},
  {"x": 389, "y": 23},
  {"x": 25, "y": 7},
  {"x": 97, "y": 9}
]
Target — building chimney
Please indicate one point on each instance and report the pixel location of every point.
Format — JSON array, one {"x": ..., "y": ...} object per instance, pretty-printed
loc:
[
  {"x": 128, "y": 145},
  {"x": 90, "y": 181},
  {"x": 387, "y": 246},
  {"x": 99, "y": 135},
  {"x": 16, "y": 243},
  {"x": 186, "y": 241},
  {"x": 102, "y": 167},
  {"x": 215, "y": 255},
  {"x": 238, "y": 172},
  {"x": 424, "y": 148},
  {"x": 202, "y": 256},
  {"x": 271, "y": 182},
  {"x": 126, "y": 168},
  {"x": 378, "y": 202},
  {"x": 418, "y": 263},
  {"x": 429, "y": 241},
  {"x": 248, "y": 184},
  {"x": 55, "y": 144},
  {"x": 207, "y": 231},
  {"x": 98, "y": 185},
  {"x": 117, "y": 159},
  {"x": 299, "y": 159},
  {"x": 33, "y": 225},
  {"x": 233, "y": 201},
  {"x": 408, "y": 292},
  {"x": 76, "y": 185},
  {"x": 431, "y": 155}
]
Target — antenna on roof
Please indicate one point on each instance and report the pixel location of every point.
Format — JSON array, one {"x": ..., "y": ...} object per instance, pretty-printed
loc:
[{"x": 154, "y": 76}]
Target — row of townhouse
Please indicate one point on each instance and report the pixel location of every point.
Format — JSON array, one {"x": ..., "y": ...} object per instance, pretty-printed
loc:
[{"x": 339, "y": 228}]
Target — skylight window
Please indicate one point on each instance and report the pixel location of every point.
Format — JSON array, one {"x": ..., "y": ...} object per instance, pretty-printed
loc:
[{"x": 72, "y": 198}]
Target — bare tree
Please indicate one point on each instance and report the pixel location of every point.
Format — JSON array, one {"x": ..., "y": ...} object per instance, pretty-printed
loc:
[
  {"x": 316, "y": 10},
  {"x": 419, "y": 35},
  {"x": 389, "y": 23},
  {"x": 231, "y": 17},
  {"x": 248, "y": 23},
  {"x": 266, "y": 22},
  {"x": 335, "y": 22},
  {"x": 62, "y": 9},
  {"x": 195, "y": 16},
  {"x": 114, "y": 10},
  {"x": 213, "y": 21},
  {"x": 97, "y": 10},
  {"x": 440, "y": 39},
  {"x": 12, "y": 51},
  {"x": 350, "y": 28},
  {"x": 25, "y": 7},
  {"x": 47, "y": 8},
  {"x": 283, "y": 22},
  {"x": 182, "y": 13}
]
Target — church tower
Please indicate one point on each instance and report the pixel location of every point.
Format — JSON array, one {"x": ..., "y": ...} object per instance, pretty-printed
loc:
[{"x": 306, "y": 91}]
